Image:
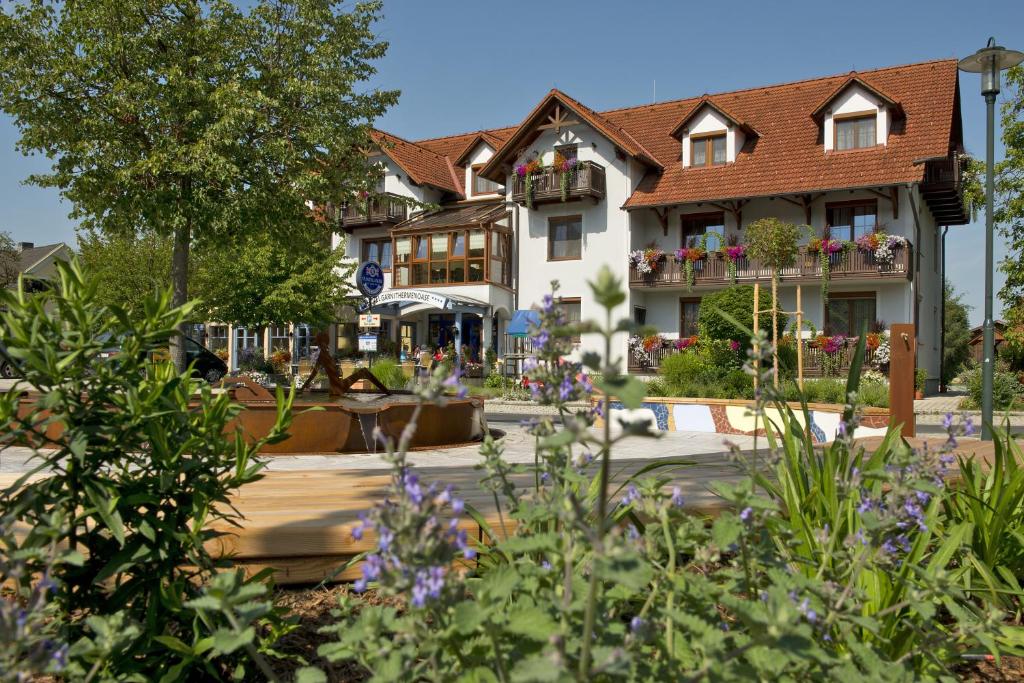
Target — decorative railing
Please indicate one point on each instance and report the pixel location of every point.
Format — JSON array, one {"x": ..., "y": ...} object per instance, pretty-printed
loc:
[
  {"x": 816, "y": 362},
  {"x": 585, "y": 180},
  {"x": 386, "y": 208},
  {"x": 714, "y": 269}
]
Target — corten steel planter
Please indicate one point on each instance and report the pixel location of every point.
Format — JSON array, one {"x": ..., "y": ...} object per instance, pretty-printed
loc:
[{"x": 346, "y": 425}]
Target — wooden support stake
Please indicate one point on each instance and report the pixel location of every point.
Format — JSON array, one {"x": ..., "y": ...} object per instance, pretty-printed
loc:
[
  {"x": 799, "y": 341},
  {"x": 775, "y": 330},
  {"x": 757, "y": 350}
]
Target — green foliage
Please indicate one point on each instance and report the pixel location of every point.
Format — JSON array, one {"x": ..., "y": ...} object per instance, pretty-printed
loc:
[
  {"x": 257, "y": 282},
  {"x": 1009, "y": 214},
  {"x": 390, "y": 373},
  {"x": 128, "y": 269},
  {"x": 199, "y": 120},
  {"x": 139, "y": 462},
  {"x": 920, "y": 378},
  {"x": 682, "y": 368},
  {"x": 990, "y": 501},
  {"x": 956, "y": 331},
  {"x": 738, "y": 302},
  {"x": 10, "y": 261},
  {"x": 1007, "y": 391},
  {"x": 772, "y": 243}
]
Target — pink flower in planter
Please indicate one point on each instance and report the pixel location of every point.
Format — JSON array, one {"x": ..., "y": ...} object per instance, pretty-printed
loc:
[
  {"x": 734, "y": 345},
  {"x": 736, "y": 252}
]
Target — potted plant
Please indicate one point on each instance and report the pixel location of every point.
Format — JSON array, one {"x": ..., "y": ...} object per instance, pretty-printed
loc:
[
  {"x": 732, "y": 253},
  {"x": 646, "y": 260},
  {"x": 526, "y": 171},
  {"x": 688, "y": 256},
  {"x": 565, "y": 168},
  {"x": 920, "y": 377}
]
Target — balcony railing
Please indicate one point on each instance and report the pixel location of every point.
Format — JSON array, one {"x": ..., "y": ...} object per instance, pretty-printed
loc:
[
  {"x": 381, "y": 210},
  {"x": 943, "y": 190},
  {"x": 713, "y": 271},
  {"x": 586, "y": 180},
  {"x": 816, "y": 362}
]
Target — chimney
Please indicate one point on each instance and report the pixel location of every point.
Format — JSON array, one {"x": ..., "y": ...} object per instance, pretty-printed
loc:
[{"x": 26, "y": 245}]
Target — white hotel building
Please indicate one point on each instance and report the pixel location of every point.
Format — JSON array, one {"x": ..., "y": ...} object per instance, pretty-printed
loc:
[{"x": 849, "y": 153}]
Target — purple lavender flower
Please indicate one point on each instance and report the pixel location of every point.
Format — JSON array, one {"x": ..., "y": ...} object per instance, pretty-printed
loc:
[
  {"x": 547, "y": 303},
  {"x": 968, "y": 426},
  {"x": 632, "y": 495},
  {"x": 541, "y": 339},
  {"x": 632, "y": 533},
  {"x": 677, "y": 497},
  {"x": 566, "y": 388},
  {"x": 458, "y": 506},
  {"x": 746, "y": 514},
  {"x": 636, "y": 624},
  {"x": 947, "y": 421}
]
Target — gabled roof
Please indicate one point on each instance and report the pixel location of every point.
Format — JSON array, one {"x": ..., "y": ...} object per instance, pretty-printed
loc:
[
  {"x": 423, "y": 166},
  {"x": 854, "y": 79},
  {"x": 482, "y": 137},
  {"x": 527, "y": 131},
  {"x": 788, "y": 157},
  {"x": 706, "y": 101},
  {"x": 28, "y": 259}
]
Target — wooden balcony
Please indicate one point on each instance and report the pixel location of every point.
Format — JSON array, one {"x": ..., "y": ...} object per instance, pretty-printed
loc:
[
  {"x": 943, "y": 190},
  {"x": 816, "y": 364},
  {"x": 713, "y": 271},
  {"x": 586, "y": 180},
  {"x": 385, "y": 209}
]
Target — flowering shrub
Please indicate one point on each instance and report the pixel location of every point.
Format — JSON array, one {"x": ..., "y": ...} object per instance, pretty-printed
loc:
[
  {"x": 565, "y": 168},
  {"x": 881, "y": 246},
  {"x": 826, "y": 248},
  {"x": 527, "y": 171},
  {"x": 646, "y": 261},
  {"x": 882, "y": 355},
  {"x": 280, "y": 358}
]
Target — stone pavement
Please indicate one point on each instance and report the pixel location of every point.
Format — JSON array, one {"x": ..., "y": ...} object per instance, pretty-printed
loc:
[{"x": 519, "y": 448}]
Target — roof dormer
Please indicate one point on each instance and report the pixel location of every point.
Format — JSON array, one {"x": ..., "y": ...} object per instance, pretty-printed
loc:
[
  {"x": 471, "y": 161},
  {"x": 711, "y": 135},
  {"x": 856, "y": 115}
]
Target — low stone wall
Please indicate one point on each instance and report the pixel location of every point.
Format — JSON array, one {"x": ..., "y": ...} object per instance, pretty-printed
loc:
[{"x": 723, "y": 416}]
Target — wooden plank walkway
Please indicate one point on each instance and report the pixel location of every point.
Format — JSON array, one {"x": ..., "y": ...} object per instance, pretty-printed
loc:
[{"x": 299, "y": 523}]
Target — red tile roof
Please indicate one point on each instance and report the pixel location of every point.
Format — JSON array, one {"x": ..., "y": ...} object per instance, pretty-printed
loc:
[
  {"x": 787, "y": 157},
  {"x": 854, "y": 79},
  {"x": 709, "y": 102},
  {"x": 424, "y": 166}
]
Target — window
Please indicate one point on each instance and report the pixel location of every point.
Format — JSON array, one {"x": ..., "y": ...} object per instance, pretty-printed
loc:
[
  {"x": 707, "y": 150},
  {"x": 378, "y": 250},
  {"x": 217, "y": 337},
  {"x": 639, "y": 315},
  {"x": 696, "y": 225},
  {"x": 573, "y": 310},
  {"x": 847, "y": 312},
  {"x": 483, "y": 185},
  {"x": 279, "y": 338},
  {"x": 565, "y": 238},
  {"x": 850, "y": 220},
  {"x": 568, "y": 151},
  {"x": 854, "y": 131},
  {"x": 454, "y": 257},
  {"x": 688, "y": 310}
]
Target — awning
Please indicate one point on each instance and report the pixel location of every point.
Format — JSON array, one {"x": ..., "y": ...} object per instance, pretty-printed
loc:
[
  {"x": 519, "y": 325},
  {"x": 456, "y": 217}
]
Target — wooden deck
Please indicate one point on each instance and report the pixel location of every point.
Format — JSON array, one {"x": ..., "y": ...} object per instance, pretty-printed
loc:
[{"x": 299, "y": 523}]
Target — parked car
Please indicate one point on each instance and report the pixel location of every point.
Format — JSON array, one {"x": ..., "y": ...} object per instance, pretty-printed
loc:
[
  {"x": 7, "y": 368},
  {"x": 205, "y": 364}
]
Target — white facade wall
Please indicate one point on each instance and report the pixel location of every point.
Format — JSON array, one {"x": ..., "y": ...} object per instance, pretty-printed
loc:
[
  {"x": 707, "y": 120},
  {"x": 605, "y": 228},
  {"x": 481, "y": 155},
  {"x": 855, "y": 100}
]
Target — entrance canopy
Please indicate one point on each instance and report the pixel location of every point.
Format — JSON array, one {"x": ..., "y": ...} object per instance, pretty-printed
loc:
[
  {"x": 404, "y": 299},
  {"x": 519, "y": 325}
]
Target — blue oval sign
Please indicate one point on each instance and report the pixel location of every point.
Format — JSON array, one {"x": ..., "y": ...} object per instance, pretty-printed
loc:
[{"x": 370, "y": 278}]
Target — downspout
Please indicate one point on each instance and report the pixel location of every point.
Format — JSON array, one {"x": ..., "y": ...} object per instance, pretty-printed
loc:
[
  {"x": 942, "y": 336},
  {"x": 917, "y": 262}
]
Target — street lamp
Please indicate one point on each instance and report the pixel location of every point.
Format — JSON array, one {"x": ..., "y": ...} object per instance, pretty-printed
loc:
[{"x": 988, "y": 62}]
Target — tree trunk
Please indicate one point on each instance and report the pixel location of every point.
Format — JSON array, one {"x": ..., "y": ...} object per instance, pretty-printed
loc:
[{"x": 179, "y": 275}]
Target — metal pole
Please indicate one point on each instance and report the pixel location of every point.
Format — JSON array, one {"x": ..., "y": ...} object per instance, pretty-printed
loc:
[{"x": 987, "y": 366}]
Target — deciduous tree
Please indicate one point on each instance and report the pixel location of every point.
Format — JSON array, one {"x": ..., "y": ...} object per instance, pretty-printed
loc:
[
  {"x": 956, "y": 332},
  {"x": 197, "y": 120},
  {"x": 10, "y": 261}
]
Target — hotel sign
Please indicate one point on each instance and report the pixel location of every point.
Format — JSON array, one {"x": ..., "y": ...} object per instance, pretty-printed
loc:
[{"x": 405, "y": 296}]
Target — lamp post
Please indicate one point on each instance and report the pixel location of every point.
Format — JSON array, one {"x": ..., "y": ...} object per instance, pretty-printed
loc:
[{"x": 988, "y": 62}]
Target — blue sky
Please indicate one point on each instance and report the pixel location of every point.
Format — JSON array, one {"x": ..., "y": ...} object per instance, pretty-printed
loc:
[{"x": 465, "y": 65}]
